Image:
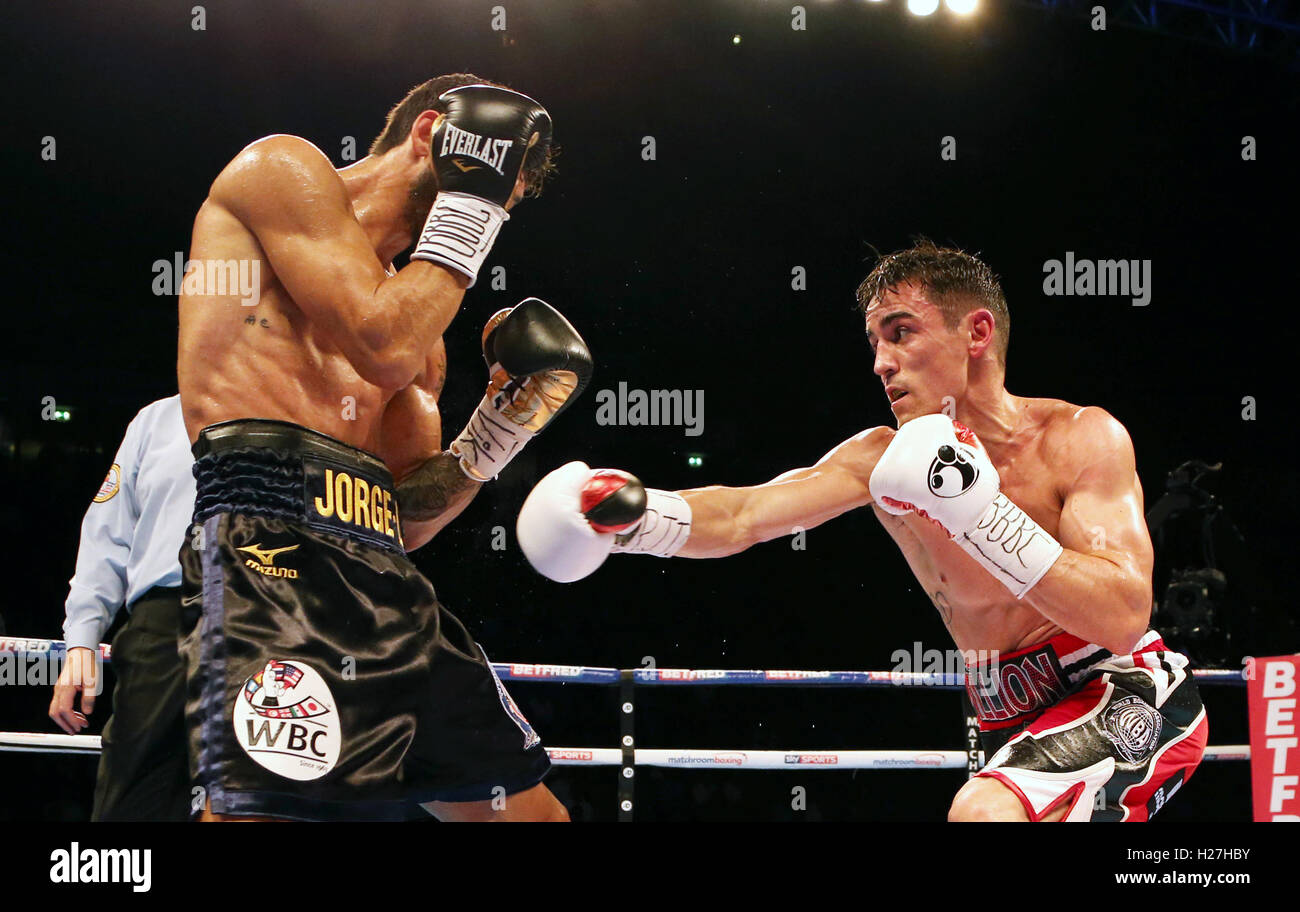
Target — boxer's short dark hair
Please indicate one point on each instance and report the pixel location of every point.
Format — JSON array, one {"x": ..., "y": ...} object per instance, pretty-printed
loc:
[
  {"x": 955, "y": 281},
  {"x": 539, "y": 163}
]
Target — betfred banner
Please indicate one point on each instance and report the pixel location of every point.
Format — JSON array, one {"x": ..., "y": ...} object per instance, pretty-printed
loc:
[{"x": 1274, "y": 689}]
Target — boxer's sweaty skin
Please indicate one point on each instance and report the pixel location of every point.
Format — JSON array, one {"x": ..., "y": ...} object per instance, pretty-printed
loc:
[
  {"x": 1071, "y": 469},
  {"x": 978, "y": 611},
  {"x": 331, "y": 338},
  {"x": 334, "y": 357}
]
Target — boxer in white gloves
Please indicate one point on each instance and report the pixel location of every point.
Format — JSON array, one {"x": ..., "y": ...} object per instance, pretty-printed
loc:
[{"x": 1022, "y": 518}]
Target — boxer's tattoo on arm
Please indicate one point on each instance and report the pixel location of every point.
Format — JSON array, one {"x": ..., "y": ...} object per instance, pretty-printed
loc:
[
  {"x": 945, "y": 607},
  {"x": 433, "y": 487}
]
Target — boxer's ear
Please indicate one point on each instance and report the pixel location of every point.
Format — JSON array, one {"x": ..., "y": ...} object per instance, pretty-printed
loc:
[
  {"x": 422, "y": 132},
  {"x": 982, "y": 327}
]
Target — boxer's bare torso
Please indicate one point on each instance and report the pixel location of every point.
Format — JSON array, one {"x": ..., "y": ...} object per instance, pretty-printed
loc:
[
  {"x": 977, "y": 609},
  {"x": 272, "y": 360}
]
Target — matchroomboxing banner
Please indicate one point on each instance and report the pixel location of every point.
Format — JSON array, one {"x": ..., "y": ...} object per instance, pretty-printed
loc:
[{"x": 1274, "y": 755}]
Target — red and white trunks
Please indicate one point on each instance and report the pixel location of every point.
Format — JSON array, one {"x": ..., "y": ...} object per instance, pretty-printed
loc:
[{"x": 1066, "y": 723}]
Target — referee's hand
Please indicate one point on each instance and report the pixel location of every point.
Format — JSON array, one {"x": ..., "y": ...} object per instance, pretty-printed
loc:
[{"x": 79, "y": 676}]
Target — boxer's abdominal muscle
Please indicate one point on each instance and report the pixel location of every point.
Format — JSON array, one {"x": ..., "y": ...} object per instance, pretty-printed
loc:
[
  {"x": 978, "y": 611},
  {"x": 266, "y": 360}
]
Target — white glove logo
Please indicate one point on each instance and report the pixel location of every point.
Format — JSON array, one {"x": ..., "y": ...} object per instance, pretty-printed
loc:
[{"x": 952, "y": 473}]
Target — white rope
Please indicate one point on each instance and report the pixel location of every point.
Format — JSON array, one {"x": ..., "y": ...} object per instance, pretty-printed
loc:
[
  {"x": 41, "y": 743},
  {"x": 26, "y": 742}
]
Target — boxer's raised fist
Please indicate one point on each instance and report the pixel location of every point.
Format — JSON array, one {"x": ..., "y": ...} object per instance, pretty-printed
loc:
[
  {"x": 477, "y": 150},
  {"x": 538, "y": 365},
  {"x": 478, "y": 147},
  {"x": 937, "y": 468}
]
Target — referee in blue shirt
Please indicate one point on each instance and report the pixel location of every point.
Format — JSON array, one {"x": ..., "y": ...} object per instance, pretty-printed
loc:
[{"x": 130, "y": 539}]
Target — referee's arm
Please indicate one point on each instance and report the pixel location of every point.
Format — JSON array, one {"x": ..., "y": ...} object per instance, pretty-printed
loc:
[{"x": 97, "y": 590}]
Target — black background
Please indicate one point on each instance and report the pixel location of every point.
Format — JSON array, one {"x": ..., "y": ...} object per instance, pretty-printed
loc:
[{"x": 792, "y": 148}]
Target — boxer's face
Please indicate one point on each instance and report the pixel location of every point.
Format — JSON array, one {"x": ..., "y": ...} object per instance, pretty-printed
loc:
[{"x": 919, "y": 360}]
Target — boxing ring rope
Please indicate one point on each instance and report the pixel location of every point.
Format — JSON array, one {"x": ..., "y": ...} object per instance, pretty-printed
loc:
[
  {"x": 628, "y": 757},
  {"x": 41, "y": 743}
]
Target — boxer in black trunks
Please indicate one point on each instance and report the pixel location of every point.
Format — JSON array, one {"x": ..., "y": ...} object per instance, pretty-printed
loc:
[{"x": 325, "y": 680}]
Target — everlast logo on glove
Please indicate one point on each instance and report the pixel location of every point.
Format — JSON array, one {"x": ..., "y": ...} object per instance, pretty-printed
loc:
[{"x": 492, "y": 152}]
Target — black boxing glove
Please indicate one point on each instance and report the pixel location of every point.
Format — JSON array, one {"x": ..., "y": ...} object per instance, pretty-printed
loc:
[
  {"x": 538, "y": 364},
  {"x": 477, "y": 152}
]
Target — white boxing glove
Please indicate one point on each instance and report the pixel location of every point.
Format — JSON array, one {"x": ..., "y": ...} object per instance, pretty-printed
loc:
[
  {"x": 931, "y": 469},
  {"x": 937, "y": 468},
  {"x": 555, "y": 537},
  {"x": 576, "y": 516}
]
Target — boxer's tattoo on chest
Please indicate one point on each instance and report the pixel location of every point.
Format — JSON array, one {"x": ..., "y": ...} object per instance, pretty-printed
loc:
[
  {"x": 251, "y": 320},
  {"x": 430, "y": 489},
  {"x": 945, "y": 607}
]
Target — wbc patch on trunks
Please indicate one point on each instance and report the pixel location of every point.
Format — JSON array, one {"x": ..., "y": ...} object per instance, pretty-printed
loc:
[
  {"x": 343, "y": 500},
  {"x": 286, "y": 720}
]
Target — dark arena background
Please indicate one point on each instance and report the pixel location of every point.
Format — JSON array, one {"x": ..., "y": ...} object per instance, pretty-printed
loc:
[{"x": 728, "y": 170}]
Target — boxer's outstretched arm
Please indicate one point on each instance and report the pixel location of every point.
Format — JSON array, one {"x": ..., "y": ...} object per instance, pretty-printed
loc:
[
  {"x": 575, "y": 517},
  {"x": 285, "y": 191},
  {"x": 728, "y": 520},
  {"x": 1100, "y": 587}
]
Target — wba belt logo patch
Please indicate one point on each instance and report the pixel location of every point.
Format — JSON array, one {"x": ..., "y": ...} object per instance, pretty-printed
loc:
[
  {"x": 286, "y": 720},
  {"x": 1133, "y": 726}
]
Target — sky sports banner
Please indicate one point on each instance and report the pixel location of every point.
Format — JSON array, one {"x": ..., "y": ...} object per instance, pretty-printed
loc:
[{"x": 1275, "y": 756}]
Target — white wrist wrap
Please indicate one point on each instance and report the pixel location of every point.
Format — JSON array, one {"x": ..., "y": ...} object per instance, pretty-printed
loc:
[
  {"x": 1010, "y": 546},
  {"x": 488, "y": 442},
  {"x": 664, "y": 528},
  {"x": 459, "y": 232}
]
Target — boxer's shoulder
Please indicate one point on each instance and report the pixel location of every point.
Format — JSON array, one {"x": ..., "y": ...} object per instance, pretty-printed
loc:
[
  {"x": 273, "y": 168},
  {"x": 1077, "y": 436},
  {"x": 873, "y": 438},
  {"x": 860, "y": 453},
  {"x": 283, "y": 150},
  {"x": 1085, "y": 423}
]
